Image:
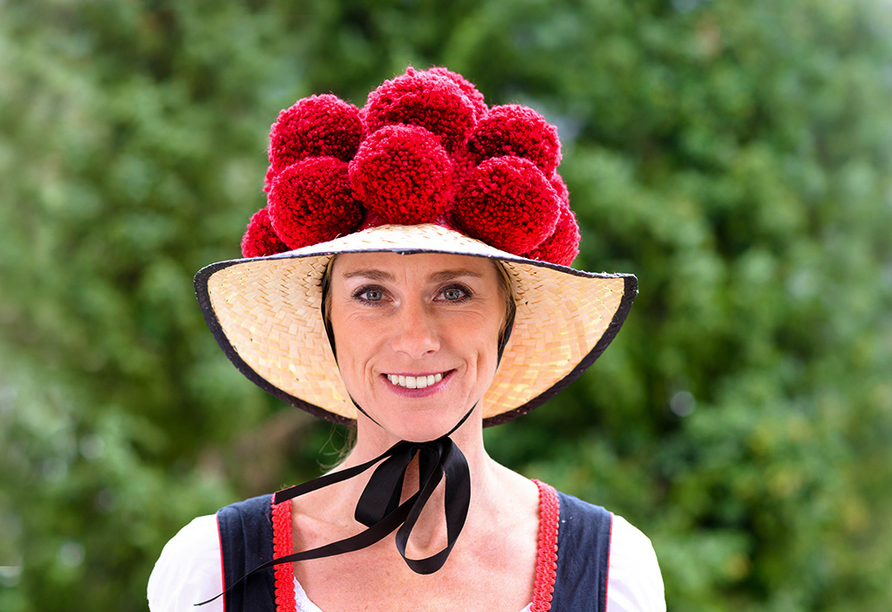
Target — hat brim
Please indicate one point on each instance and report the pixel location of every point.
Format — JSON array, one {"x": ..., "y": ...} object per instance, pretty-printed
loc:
[{"x": 266, "y": 314}]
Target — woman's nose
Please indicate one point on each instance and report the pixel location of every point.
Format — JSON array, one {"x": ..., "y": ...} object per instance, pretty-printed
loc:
[{"x": 415, "y": 333}]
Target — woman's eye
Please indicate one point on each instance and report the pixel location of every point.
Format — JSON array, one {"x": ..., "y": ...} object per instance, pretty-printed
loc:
[
  {"x": 369, "y": 295},
  {"x": 454, "y": 294}
]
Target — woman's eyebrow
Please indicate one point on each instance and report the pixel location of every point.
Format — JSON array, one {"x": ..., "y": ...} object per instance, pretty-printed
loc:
[
  {"x": 445, "y": 275},
  {"x": 436, "y": 277},
  {"x": 370, "y": 273}
]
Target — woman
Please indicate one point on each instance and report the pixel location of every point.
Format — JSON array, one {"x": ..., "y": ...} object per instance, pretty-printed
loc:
[{"x": 408, "y": 277}]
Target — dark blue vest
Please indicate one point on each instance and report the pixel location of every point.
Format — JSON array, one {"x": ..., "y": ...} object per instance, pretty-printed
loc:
[{"x": 246, "y": 537}]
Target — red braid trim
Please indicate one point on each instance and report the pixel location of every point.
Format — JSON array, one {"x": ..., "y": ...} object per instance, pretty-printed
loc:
[
  {"x": 282, "y": 545},
  {"x": 546, "y": 556}
]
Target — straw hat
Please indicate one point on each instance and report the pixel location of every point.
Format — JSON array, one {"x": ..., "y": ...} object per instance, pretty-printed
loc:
[{"x": 425, "y": 167}]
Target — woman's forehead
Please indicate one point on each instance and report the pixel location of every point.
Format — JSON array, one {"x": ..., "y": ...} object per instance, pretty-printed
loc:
[{"x": 389, "y": 265}]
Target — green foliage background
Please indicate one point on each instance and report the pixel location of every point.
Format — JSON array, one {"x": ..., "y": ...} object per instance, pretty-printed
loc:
[{"x": 736, "y": 156}]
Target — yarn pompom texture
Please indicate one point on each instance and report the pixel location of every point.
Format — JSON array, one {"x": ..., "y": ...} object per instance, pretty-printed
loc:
[
  {"x": 314, "y": 127},
  {"x": 508, "y": 203},
  {"x": 432, "y": 100},
  {"x": 467, "y": 87},
  {"x": 311, "y": 201},
  {"x": 519, "y": 131},
  {"x": 260, "y": 239},
  {"x": 403, "y": 175},
  {"x": 562, "y": 246}
]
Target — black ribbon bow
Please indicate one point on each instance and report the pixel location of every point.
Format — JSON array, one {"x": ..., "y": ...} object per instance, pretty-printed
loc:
[{"x": 379, "y": 507}]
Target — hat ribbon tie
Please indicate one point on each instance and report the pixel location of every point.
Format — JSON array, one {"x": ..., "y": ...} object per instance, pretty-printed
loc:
[{"x": 379, "y": 507}]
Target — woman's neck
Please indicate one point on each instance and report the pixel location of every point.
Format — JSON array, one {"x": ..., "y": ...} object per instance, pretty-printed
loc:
[{"x": 429, "y": 534}]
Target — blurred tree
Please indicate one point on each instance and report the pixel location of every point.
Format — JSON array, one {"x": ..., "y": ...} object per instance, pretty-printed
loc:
[{"x": 735, "y": 156}]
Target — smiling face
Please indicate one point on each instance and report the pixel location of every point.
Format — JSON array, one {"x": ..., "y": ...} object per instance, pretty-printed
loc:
[{"x": 416, "y": 336}]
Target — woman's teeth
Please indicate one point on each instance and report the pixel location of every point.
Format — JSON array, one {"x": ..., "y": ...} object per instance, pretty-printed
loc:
[{"x": 414, "y": 382}]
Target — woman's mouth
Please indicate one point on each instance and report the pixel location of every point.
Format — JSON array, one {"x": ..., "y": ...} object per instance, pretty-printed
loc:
[{"x": 414, "y": 382}]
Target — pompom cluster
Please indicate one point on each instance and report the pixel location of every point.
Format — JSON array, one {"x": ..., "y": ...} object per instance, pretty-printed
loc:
[{"x": 424, "y": 149}]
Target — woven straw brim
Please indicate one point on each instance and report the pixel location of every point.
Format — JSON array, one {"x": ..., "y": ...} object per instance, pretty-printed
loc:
[{"x": 266, "y": 314}]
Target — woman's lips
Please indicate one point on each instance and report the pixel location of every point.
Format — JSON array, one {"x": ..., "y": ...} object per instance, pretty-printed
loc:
[
  {"x": 414, "y": 382},
  {"x": 425, "y": 384}
]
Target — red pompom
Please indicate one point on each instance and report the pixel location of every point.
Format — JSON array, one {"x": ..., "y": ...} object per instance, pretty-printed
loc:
[
  {"x": 314, "y": 127},
  {"x": 468, "y": 88},
  {"x": 311, "y": 201},
  {"x": 507, "y": 202},
  {"x": 560, "y": 187},
  {"x": 260, "y": 240},
  {"x": 463, "y": 164},
  {"x": 403, "y": 174},
  {"x": 519, "y": 131},
  {"x": 562, "y": 246},
  {"x": 427, "y": 99}
]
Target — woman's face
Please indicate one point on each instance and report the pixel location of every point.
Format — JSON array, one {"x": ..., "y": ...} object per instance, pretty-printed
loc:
[{"x": 416, "y": 336}]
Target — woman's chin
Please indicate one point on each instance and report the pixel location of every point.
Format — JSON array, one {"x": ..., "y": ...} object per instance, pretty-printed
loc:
[
  {"x": 421, "y": 428},
  {"x": 419, "y": 425}
]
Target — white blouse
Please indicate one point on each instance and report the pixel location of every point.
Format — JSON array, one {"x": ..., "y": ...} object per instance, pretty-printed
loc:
[{"x": 189, "y": 570}]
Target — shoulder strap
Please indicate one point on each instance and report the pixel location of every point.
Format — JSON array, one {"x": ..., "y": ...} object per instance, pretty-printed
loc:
[
  {"x": 246, "y": 541},
  {"x": 583, "y": 554}
]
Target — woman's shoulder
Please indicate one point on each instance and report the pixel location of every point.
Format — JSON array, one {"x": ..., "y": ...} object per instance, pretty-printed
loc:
[
  {"x": 634, "y": 581},
  {"x": 188, "y": 570}
]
